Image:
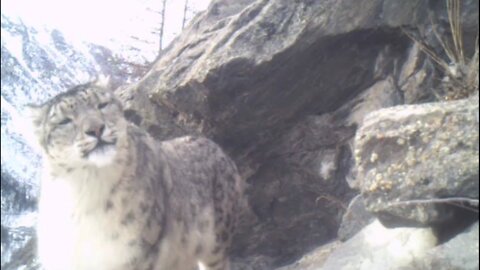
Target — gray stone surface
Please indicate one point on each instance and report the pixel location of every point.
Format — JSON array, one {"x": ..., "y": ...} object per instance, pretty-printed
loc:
[
  {"x": 459, "y": 253},
  {"x": 418, "y": 152},
  {"x": 415, "y": 79},
  {"x": 282, "y": 86},
  {"x": 380, "y": 248},
  {"x": 377, "y": 247},
  {"x": 264, "y": 80},
  {"x": 355, "y": 218},
  {"x": 314, "y": 259}
]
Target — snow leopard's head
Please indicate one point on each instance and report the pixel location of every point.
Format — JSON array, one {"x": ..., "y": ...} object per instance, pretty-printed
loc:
[{"x": 83, "y": 126}]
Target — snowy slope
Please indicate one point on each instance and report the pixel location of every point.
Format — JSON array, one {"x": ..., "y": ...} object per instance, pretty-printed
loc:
[{"x": 37, "y": 64}]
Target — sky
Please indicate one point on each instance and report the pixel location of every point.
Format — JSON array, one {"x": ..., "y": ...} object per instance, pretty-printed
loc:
[{"x": 106, "y": 22}]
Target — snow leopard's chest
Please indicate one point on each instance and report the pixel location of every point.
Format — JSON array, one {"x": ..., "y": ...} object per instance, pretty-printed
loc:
[{"x": 84, "y": 229}]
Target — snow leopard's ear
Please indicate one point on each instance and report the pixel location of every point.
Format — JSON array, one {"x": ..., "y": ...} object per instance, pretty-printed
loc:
[
  {"x": 103, "y": 81},
  {"x": 30, "y": 124},
  {"x": 35, "y": 114}
]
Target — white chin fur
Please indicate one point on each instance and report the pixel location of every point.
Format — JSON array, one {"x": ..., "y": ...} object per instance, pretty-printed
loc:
[{"x": 102, "y": 156}]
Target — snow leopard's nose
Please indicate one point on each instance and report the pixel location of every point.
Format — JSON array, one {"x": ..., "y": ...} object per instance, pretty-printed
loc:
[{"x": 95, "y": 130}]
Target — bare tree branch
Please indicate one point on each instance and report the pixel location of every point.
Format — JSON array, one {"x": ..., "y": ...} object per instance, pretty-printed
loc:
[
  {"x": 185, "y": 14},
  {"x": 162, "y": 25}
]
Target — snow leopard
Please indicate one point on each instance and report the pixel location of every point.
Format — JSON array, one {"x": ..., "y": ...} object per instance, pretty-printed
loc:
[{"x": 114, "y": 198}]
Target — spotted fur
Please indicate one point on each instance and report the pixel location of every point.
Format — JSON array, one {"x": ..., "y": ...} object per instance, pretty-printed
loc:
[{"x": 113, "y": 198}]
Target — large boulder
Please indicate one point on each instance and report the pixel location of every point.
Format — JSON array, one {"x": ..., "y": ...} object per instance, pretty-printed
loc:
[
  {"x": 375, "y": 247},
  {"x": 461, "y": 252},
  {"x": 355, "y": 219},
  {"x": 379, "y": 248},
  {"x": 414, "y": 161}
]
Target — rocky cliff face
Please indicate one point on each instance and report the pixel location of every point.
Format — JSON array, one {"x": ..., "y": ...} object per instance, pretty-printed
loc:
[{"x": 285, "y": 87}]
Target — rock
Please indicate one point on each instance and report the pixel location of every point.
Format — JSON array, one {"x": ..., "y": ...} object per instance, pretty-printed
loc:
[
  {"x": 265, "y": 50},
  {"x": 460, "y": 253},
  {"x": 415, "y": 79},
  {"x": 377, "y": 247},
  {"x": 380, "y": 248},
  {"x": 382, "y": 94},
  {"x": 355, "y": 218},
  {"x": 252, "y": 263},
  {"x": 314, "y": 259},
  {"x": 299, "y": 165},
  {"x": 397, "y": 13},
  {"x": 263, "y": 80},
  {"x": 420, "y": 153}
]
